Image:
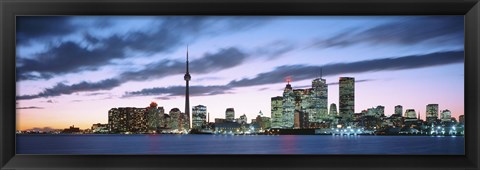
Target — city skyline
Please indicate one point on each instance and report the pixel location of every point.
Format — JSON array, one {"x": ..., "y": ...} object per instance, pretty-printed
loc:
[{"x": 228, "y": 70}]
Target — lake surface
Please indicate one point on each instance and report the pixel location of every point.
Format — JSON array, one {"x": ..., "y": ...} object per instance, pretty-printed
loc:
[{"x": 221, "y": 144}]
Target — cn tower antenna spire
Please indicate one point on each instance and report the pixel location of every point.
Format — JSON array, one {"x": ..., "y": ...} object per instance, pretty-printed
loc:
[{"x": 187, "y": 78}]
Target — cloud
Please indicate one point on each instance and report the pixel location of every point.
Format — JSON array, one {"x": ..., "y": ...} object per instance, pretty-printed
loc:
[
  {"x": 31, "y": 28},
  {"x": 275, "y": 49},
  {"x": 356, "y": 81},
  {"x": 30, "y": 107},
  {"x": 62, "y": 89},
  {"x": 302, "y": 72},
  {"x": 169, "y": 33},
  {"x": 210, "y": 62},
  {"x": 166, "y": 92},
  {"x": 402, "y": 32}
]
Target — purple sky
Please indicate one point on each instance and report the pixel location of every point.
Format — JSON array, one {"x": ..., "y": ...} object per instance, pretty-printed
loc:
[{"x": 72, "y": 70}]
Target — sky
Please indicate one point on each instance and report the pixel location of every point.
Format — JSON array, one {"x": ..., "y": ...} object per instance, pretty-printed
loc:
[{"x": 71, "y": 70}]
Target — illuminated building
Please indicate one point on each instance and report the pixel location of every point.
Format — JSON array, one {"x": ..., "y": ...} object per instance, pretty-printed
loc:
[
  {"x": 288, "y": 107},
  {"x": 347, "y": 97},
  {"x": 411, "y": 114},
  {"x": 154, "y": 117},
  {"x": 263, "y": 121},
  {"x": 320, "y": 99},
  {"x": 99, "y": 128},
  {"x": 199, "y": 117},
  {"x": 398, "y": 110},
  {"x": 432, "y": 113},
  {"x": 243, "y": 119},
  {"x": 127, "y": 119},
  {"x": 175, "y": 122},
  {"x": 380, "y": 111},
  {"x": 117, "y": 120},
  {"x": 461, "y": 119},
  {"x": 446, "y": 115},
  {"x": 333, "y": 110},
  {"x": 230, "y": 114},
  {"x": 277, "y": 111}
]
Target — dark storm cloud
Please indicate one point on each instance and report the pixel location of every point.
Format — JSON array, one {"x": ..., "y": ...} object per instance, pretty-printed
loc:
[
  {"x": 30, "y": 107},
  {"x": 71, "y": 57},
  {"x": 61, "y": 89},
  {"x": 179, "y": 91},
  {"x": 210, "y": 62},
  {"x": 38, "y": 28},
  {"x": 404, "y": 32},
  {"x": 302, "y": 72}
]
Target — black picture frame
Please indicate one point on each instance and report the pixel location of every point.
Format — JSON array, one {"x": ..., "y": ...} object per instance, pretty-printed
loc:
[{"x": 11, "y": 8}]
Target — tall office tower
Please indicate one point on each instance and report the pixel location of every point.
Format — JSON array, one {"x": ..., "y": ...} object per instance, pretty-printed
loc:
[
  {"x": 380, "y": 110},
  {"x": 347, "y": 97},
  {"x": 175, "y": 122},
  {"x": 187, "y": 78},
  {"x": 446, "y": 115},
  {"x": 333, "y": 110},
  {"x": 398, "y": 110},
  {"x": 243, "y": 119},
  {"x": 411, "y": 114},
  {"x": 277, "y": 111},
  {"x": 199, "y": 116},
  {"x": 230, "y": 114},
  {"x": 288, "y": 107},
  {"x": 320, "y": 90},
  {"x": 161, "y": 116},
  {"x": 153, "y": 117},
  {"x": 432, "y": 113}
]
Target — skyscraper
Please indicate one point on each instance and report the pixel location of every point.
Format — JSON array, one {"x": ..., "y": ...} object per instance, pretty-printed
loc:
[
  {"x": 288, "y": 107},
  {"x": 175, "y": 120},
  {"x": 320, "y": 90},
  {"x": 347, "y": 97},
  {"x": 446, "y": 115},
  {"x": 398, "y": 110},
  {"x": 230, "y": 114},
  {"x": 277, "y": 111},
  {"x": 432, "y": 113},
  {"x": 199, "y": 116},
  {"x": 187, "y": 78}
]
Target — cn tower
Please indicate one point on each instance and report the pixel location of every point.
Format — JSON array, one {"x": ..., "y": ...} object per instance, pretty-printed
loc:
[{"x": 187, "y": 96}]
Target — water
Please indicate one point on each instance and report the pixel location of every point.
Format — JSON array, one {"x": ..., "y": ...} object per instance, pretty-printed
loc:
[{"x": 221, "y": 144}]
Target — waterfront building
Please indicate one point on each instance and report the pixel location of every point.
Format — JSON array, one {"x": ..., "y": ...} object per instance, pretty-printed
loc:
[
  {"x": 99, "y": 128},
  {"x": 320, "y": 99},
  {"x": 72, "y": 129},
  {"x": 461, "y": 119},
  {"x": 446, "y": 115},
  {"x": 277, "y": 111},
  {"x": 128, "y": 120},
  {"x": 228, "y": 127},
  {"x": 288, "y": 107},
  {"x": 243, "y": 119},
  {"x": 380, "y": 111},
  {"x": 432, "y": 113},
  {"x": 333, "y": 110},
  {"x": 398, "y": 110},
  {"x": 154, "y": 119},
  {"x": 410, "y": 114},
  {"x": 230, "y": 114},
  {"x": 263, "y": 121},
  {"x": 175, "y": 119},
  {"x": 347, "y": 97},
  {"x": 199, "y": 117}
]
